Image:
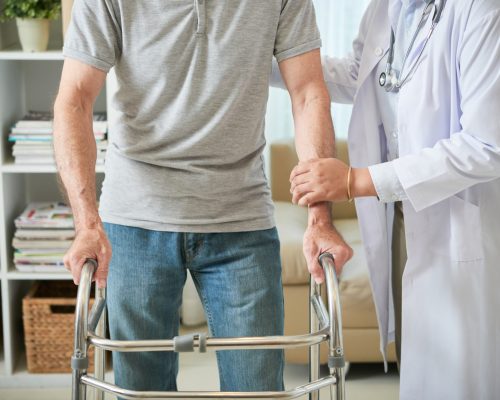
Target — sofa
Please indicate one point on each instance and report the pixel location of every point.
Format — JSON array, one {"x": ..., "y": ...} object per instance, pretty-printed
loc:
[{"x": 360, "y": 331}]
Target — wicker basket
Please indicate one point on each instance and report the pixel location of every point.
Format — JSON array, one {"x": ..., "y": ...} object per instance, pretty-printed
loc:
[{"x": 48, "y": 316}]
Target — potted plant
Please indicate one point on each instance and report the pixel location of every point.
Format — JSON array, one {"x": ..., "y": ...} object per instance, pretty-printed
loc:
[{"x": 33, "y": 21}]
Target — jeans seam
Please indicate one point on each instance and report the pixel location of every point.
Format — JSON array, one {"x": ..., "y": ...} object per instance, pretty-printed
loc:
[
  {"x": 209, "y": 317},
  {"x": 204, "y": 301},
  {"x": 187, "y": 253},
  {"x": 197, "y": 246}
]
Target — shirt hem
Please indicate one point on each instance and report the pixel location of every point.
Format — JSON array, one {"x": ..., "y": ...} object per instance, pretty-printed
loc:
[
  {"x": 86, "y": 58},
  {"x": 298, "y": 50},
  {"x": 222, "y": 227}
]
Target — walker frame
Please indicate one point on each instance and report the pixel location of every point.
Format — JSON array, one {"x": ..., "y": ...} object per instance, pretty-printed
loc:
[{"x": 325, "y": 326}]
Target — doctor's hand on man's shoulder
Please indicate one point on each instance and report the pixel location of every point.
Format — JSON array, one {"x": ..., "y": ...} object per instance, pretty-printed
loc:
[
  {"x": 90, "y": 242},
  {"x": 322, "y": 237}
]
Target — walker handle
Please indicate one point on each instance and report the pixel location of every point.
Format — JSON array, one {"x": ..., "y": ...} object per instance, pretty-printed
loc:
[{"x": 84, "y": 322}]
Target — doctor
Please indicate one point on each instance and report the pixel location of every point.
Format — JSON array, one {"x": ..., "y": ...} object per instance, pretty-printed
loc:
[{"x": 424, "y": 79}]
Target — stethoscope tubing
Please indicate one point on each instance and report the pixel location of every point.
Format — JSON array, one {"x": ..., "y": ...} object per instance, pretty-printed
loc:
[{"x": 400, "y": 78}]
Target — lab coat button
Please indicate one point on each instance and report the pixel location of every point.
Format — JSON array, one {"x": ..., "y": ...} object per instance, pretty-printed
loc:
[{"x": 379, "y": 51}]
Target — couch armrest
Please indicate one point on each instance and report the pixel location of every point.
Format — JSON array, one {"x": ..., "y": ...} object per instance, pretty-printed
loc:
[{"x": 284, "y": 158}]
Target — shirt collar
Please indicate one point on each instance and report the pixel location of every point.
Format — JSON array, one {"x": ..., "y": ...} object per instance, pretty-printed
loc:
[{"x": 395, "y": 7}]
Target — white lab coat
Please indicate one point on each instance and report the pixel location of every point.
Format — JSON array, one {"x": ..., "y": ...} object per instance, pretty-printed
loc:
[{"x": 449, "y": 166}]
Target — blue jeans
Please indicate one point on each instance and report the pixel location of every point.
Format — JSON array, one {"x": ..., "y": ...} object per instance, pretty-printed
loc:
[{"x": 238, "y": 277}]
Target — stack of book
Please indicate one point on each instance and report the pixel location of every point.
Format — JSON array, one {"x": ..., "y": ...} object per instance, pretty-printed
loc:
[
  {"x": 32, "y": 137},
  {"x": 44, "y": 232}
]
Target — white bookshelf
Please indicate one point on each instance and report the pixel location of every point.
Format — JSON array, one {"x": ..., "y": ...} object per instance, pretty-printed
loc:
[
  {"x": 9, "y": 167},
  {"x": 15, "y": 53},
  {"x": 28, "y": 81}
]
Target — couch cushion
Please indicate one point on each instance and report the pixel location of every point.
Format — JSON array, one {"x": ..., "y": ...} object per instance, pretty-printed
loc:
[
  {"x": 291, "y": 222},
  {"x": 356, "y": 295}
]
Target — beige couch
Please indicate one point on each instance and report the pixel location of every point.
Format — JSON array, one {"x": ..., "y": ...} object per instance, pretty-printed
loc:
[{"x": 361, "y": 337}]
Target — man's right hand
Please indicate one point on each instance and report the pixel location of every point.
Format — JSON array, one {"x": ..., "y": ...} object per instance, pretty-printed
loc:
[{"x": 89, "y": 243}]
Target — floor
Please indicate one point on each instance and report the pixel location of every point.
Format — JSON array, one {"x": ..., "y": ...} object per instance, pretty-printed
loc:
[{"x": 199, "y": 372}]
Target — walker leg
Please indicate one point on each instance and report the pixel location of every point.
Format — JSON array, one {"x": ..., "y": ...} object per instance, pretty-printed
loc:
[
  {"x": 79, "y": 360},
  {"x": 78, "y": 390},
  {"x": 100, "y": 354},
  {"x": 336, "y": 361},
  {"x": 313, "y": 350}
]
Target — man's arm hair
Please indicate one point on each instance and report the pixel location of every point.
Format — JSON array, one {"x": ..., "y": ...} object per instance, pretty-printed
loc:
[
  {"x": 314, "y": 133},
  {"x": 74, "y": 142}
]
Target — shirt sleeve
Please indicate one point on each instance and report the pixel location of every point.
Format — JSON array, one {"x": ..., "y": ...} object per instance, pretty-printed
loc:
[
  {"x": 94, "y": 34},
  {"x": 297, "y": 30},
  {"x": 387, "y": 183}
]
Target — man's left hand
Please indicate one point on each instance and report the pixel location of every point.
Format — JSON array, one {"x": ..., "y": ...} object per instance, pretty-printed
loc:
[{"x": 321, "y": 238}]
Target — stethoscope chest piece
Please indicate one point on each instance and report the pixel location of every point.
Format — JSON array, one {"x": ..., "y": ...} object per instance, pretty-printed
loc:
[
  {"x": 383, "y": 79},
  {"x": 389, "y": 80}
]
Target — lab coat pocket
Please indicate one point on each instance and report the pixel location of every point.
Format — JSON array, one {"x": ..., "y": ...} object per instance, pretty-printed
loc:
[{"x": 466, "y": 242}]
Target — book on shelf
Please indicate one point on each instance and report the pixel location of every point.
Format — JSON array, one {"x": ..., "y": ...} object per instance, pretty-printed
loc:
[
  {"x": 43, "y": 137},
  {"x": 21, "y": 148},
  {"x": 45, "y": 215},
  {"x": 32, "y": 138},
  {"x": 36, "y": 243},
  {"x": 31, "y": 131},
  {"x": 43, "y": 119},
  {"x": 39, "y": 256},
  {"x": 45, "y": 131},
  {"x": 30, "y": 153},
  {"x": 45, "y": 160},
  {"x": 44, "y": 232},
  {"x": 40, "y": 268}
]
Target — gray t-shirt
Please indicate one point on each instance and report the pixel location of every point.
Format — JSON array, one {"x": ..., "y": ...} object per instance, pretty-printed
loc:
[{"x": 185, "y": 152}]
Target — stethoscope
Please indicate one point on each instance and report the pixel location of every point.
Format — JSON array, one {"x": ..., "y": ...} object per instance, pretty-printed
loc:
[{"x": 392, "y": 80}]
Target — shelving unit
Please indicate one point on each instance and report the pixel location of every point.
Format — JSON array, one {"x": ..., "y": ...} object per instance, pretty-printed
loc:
[{"x": 28, "y": 81}]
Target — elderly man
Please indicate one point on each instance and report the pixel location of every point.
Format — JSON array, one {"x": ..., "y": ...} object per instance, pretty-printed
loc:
[{"x": 185, "y": 187}]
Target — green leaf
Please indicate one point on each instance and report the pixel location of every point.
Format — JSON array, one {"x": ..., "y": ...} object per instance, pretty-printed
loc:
[{"x": 30, "y": 9}]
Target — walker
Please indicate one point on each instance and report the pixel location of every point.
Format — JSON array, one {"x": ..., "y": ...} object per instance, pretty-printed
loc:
[{"x": 325, "y": 326}]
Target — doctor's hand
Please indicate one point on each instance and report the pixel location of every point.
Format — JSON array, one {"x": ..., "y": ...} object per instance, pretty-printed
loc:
[
  {"x": 326, "y": 179},
  {"x": 321, "y": 238}
]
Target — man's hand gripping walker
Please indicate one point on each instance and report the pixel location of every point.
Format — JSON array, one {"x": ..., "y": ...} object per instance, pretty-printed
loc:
[{"x": 325, "y": 326}]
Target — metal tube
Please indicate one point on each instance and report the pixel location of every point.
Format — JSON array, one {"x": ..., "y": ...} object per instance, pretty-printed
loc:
[
  {"x": 336, "y": 345},
  {"x": 314, "y": 291},
  {"x": 131, "y": 395},
  {"x": 100, "y": 354},
  {"x": 81, "y": 325},
  {"x": 96, "y": 311},
  {"x": 321, "y": 311},
  {"x": 239, "y": 343},
  {"x": 330, "y": 329}
]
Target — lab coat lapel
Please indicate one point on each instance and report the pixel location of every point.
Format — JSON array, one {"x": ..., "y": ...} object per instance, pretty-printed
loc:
[
  {"x": 376, "y": 45},
  {"x": 413, "y": 56}
]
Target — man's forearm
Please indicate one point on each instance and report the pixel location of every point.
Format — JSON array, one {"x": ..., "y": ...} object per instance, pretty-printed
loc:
[
  {"x": 75, "y": 152},
  {"x": 314, "y": 137}
]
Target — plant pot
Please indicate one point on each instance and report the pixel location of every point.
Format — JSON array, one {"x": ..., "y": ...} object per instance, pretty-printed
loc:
[
  {"x": 66, "y": 6},
  {"x": 33, "y": 33}
]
